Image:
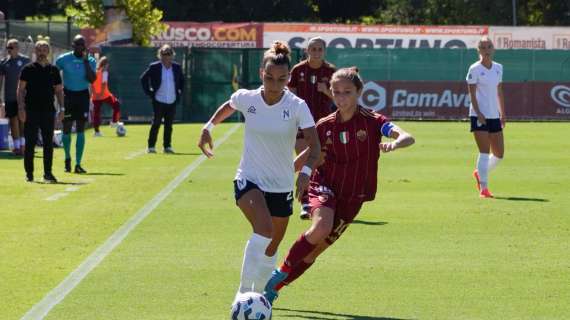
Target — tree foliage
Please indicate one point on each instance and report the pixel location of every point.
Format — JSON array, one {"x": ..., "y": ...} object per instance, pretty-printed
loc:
[{"x": 145, "y": 19}]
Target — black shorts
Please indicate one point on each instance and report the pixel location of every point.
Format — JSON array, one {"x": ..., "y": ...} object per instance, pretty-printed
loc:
[
  {"x": 76, "y": 105},
  {"x": 280, "y": 204},
  {"x": 11, "y": 109},
  {"x": 492, "y": 125}
]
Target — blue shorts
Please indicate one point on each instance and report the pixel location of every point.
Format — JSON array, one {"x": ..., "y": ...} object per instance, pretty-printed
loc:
[
  {"x": 280, "y": 204},
  {"x": 492, "y": 125}
]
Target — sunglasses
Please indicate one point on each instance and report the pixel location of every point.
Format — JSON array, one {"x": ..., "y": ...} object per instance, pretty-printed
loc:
[
  {"x": 9, "y": 48},
  {"x": 167, "y": 53}
]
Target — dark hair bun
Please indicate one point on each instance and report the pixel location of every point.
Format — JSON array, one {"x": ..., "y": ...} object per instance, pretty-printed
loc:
[
  {"x": 280, "y": 48},
  {"x": 354, "y": 69}
]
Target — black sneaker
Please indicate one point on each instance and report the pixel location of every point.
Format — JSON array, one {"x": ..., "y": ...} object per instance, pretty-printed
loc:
[
  {"x": 67, "y": 165},
  {"x": 49, "y": 178},
  {"x": 29, "y": 177},
  {"x": 79, "y": 170}
]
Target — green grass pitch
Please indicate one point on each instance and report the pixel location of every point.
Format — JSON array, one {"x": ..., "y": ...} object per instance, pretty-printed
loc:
[{"x": 426, "y": 248}]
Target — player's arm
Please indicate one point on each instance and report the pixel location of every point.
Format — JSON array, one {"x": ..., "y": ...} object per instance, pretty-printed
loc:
[
  {"x": 59, "y": 96},
  {"x": 223, "y": 112},
  {"x": 302, "y": 158},
  {"x": 501, "y": 104},
  {"x": 1, "y": 87},
  {"x": 313, "y": 154},
  {"x": 401, "y": 138},
  {"x": 20, "y": 97},
  {"x": 473, "y": 96}
]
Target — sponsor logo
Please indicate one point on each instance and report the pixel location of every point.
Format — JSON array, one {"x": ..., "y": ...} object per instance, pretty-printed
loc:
[
  {"x": 382, "y": 43},
  {"x": 329, "y": 141},
  {"x": 373, "y": 96},
  {"x": 241, "y": 183},
  {"x": 561, "y": 95},
  {"x": 506, "y": 41},
  {"x": 290, "y": 196},
  {"x": 251, "y": 110},
  {"x": 404, "y": 98}
]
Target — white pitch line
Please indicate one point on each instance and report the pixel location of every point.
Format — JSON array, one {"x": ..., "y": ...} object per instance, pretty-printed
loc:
[
  {"x": 56, "y": 295},
  {"x": 135, "y": 154},
  {"x": 57, "y": 196}
]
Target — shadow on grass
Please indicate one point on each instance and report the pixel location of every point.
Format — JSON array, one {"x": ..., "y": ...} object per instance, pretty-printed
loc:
[
  {"x": 320, "y": 315},
  {"x": 62, "y": 182},
  {"x": 185, "y": 154},
  {"x": 370, "y": 223},
  {"x": 8, "y": 155},
  {"x": 522, "y": 199}
]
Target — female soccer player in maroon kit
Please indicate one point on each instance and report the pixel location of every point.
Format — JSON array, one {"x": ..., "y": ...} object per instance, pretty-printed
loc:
[
  {"x": 310, "y": 81},
  {"x": 346, "y": 177}
]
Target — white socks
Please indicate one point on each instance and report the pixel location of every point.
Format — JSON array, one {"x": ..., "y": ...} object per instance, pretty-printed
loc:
[
  {"x": 493, "y": 162},
  {"x": 17, "y": 143},
  {"x": 266, "y": 266},
  {"x": 255, "y": 264},
  {"x": 482, "y": 169}
]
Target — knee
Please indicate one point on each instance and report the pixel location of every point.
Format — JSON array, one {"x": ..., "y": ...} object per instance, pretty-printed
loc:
[
  {"x": 264, "y": 228},
  {"x": 319, "y": 231}
]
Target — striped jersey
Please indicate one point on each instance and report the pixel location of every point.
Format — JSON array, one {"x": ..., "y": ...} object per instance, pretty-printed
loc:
[{"x": 352, "y": 150}]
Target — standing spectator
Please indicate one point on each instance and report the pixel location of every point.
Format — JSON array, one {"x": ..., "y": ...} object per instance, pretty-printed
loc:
[
  {"x": 39, "y": 81},
  {"x": 163, "y": 82},
  {"x": 78, "y": 73},
  {"x": 10, "y": 68},
  {"x": 100, "y": 94}
]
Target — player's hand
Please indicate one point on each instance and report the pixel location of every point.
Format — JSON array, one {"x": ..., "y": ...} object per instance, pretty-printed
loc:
[
  {"x": 206, "y": 139},
  {"x": 322, "y": 87},
  {"x": 60, "y": 116},
  {"x": 387, "y": 147},
  {"x": 481, "y": 119},
  {"x": 503, "y": 121},
  {"x": 22, "y": 114},
  {"x": 302, "y": 185}
]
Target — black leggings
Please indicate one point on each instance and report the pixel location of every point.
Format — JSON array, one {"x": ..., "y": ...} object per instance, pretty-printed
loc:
[{"x": 79, "y": 126}]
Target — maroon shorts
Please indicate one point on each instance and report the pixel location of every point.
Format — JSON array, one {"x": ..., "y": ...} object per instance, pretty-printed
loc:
[{"x": 344, "y": 211}]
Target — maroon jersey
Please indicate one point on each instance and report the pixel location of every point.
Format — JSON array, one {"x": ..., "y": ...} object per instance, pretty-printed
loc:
[
  {"x": 352, "y": 150},
  {"x": 305, "y": 80}
]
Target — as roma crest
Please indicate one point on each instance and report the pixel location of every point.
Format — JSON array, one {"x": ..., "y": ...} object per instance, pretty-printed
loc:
[{"x": 361, "y": 135}]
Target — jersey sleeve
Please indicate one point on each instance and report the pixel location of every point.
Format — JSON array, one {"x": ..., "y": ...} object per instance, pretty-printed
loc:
[
  {"x": 305, "y": 119},
  {"x": 25, "y": 74},
  {"x": 59, "y": 62},
  {"x": 500, "y": 72},
  {"x": 237, "y": 100},
  {"x": 56, "y": 77},
  {"x": 471, "y": 76},
  {"x": 384, "y": 125}
]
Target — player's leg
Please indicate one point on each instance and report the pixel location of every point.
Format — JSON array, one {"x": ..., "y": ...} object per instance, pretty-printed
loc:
[
  {"x": 47, "y": 126},
  {"x": 497, "y": 146},
  {"x": 116, "y": 106},
  {"x": 67, "y": 125},
  {"x": 13, "y": 120},
  {"x": 97, "y": 116},
  {"x": 79, "y": 144},
  {"x": 252, "y": 203},
  {"x": 31, "y": 133},
  {"x": 481, "y": 136},
  {"x": 155, "y": 126}
]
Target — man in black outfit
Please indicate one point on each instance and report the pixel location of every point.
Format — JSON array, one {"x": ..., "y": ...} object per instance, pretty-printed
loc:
[
  {"x": 163, "y": 82},
  {"x": 39, "y": 81}
]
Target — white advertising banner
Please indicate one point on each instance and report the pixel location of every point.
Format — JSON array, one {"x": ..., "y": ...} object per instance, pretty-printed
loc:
[
  {"x": 374, "y": 36},
  {"x": 548, "y": 38}
]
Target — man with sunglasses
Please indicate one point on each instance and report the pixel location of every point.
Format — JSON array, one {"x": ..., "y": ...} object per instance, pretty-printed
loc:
[
  {"x": 78, "y": 69},
  {"x": 163, "y": 82},
  {"x": 10, "y": 68}
]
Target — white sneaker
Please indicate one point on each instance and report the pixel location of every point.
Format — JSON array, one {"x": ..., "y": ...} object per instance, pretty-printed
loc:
[
  {"x": 114, "y": 124},
  {"x": 151, "y": 150},
  {"x": 97, "y": 134},
  {"x": 168, "y": 150}
]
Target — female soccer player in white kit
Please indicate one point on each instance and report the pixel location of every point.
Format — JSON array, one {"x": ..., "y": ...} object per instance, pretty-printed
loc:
[
  {"x": 487, "y": 113},
  {"x": 265, "y": 177}
]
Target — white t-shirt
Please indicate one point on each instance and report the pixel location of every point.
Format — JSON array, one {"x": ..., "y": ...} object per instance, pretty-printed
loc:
[
  {"x": 270, "y": 134},
  {"x": 487, "y": 81}
]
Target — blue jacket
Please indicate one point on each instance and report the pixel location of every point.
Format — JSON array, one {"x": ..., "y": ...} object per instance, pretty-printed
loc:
[{"x": 151, "y": 79}]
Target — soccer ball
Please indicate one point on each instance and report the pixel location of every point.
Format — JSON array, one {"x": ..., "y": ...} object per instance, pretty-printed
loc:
[
  {"x": 121, "y": 130},
  {"x": 251, "y": 306}
]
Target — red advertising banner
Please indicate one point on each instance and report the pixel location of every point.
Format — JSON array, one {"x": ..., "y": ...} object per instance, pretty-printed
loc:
[
  {"x": 211, "y": 35},
  {"x": 449, "y": 100}
]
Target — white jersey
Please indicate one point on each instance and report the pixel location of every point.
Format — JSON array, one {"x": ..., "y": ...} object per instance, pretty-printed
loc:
[
  {"x": 270, "y": 134},
  {"x": 487, "y": 81}
]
